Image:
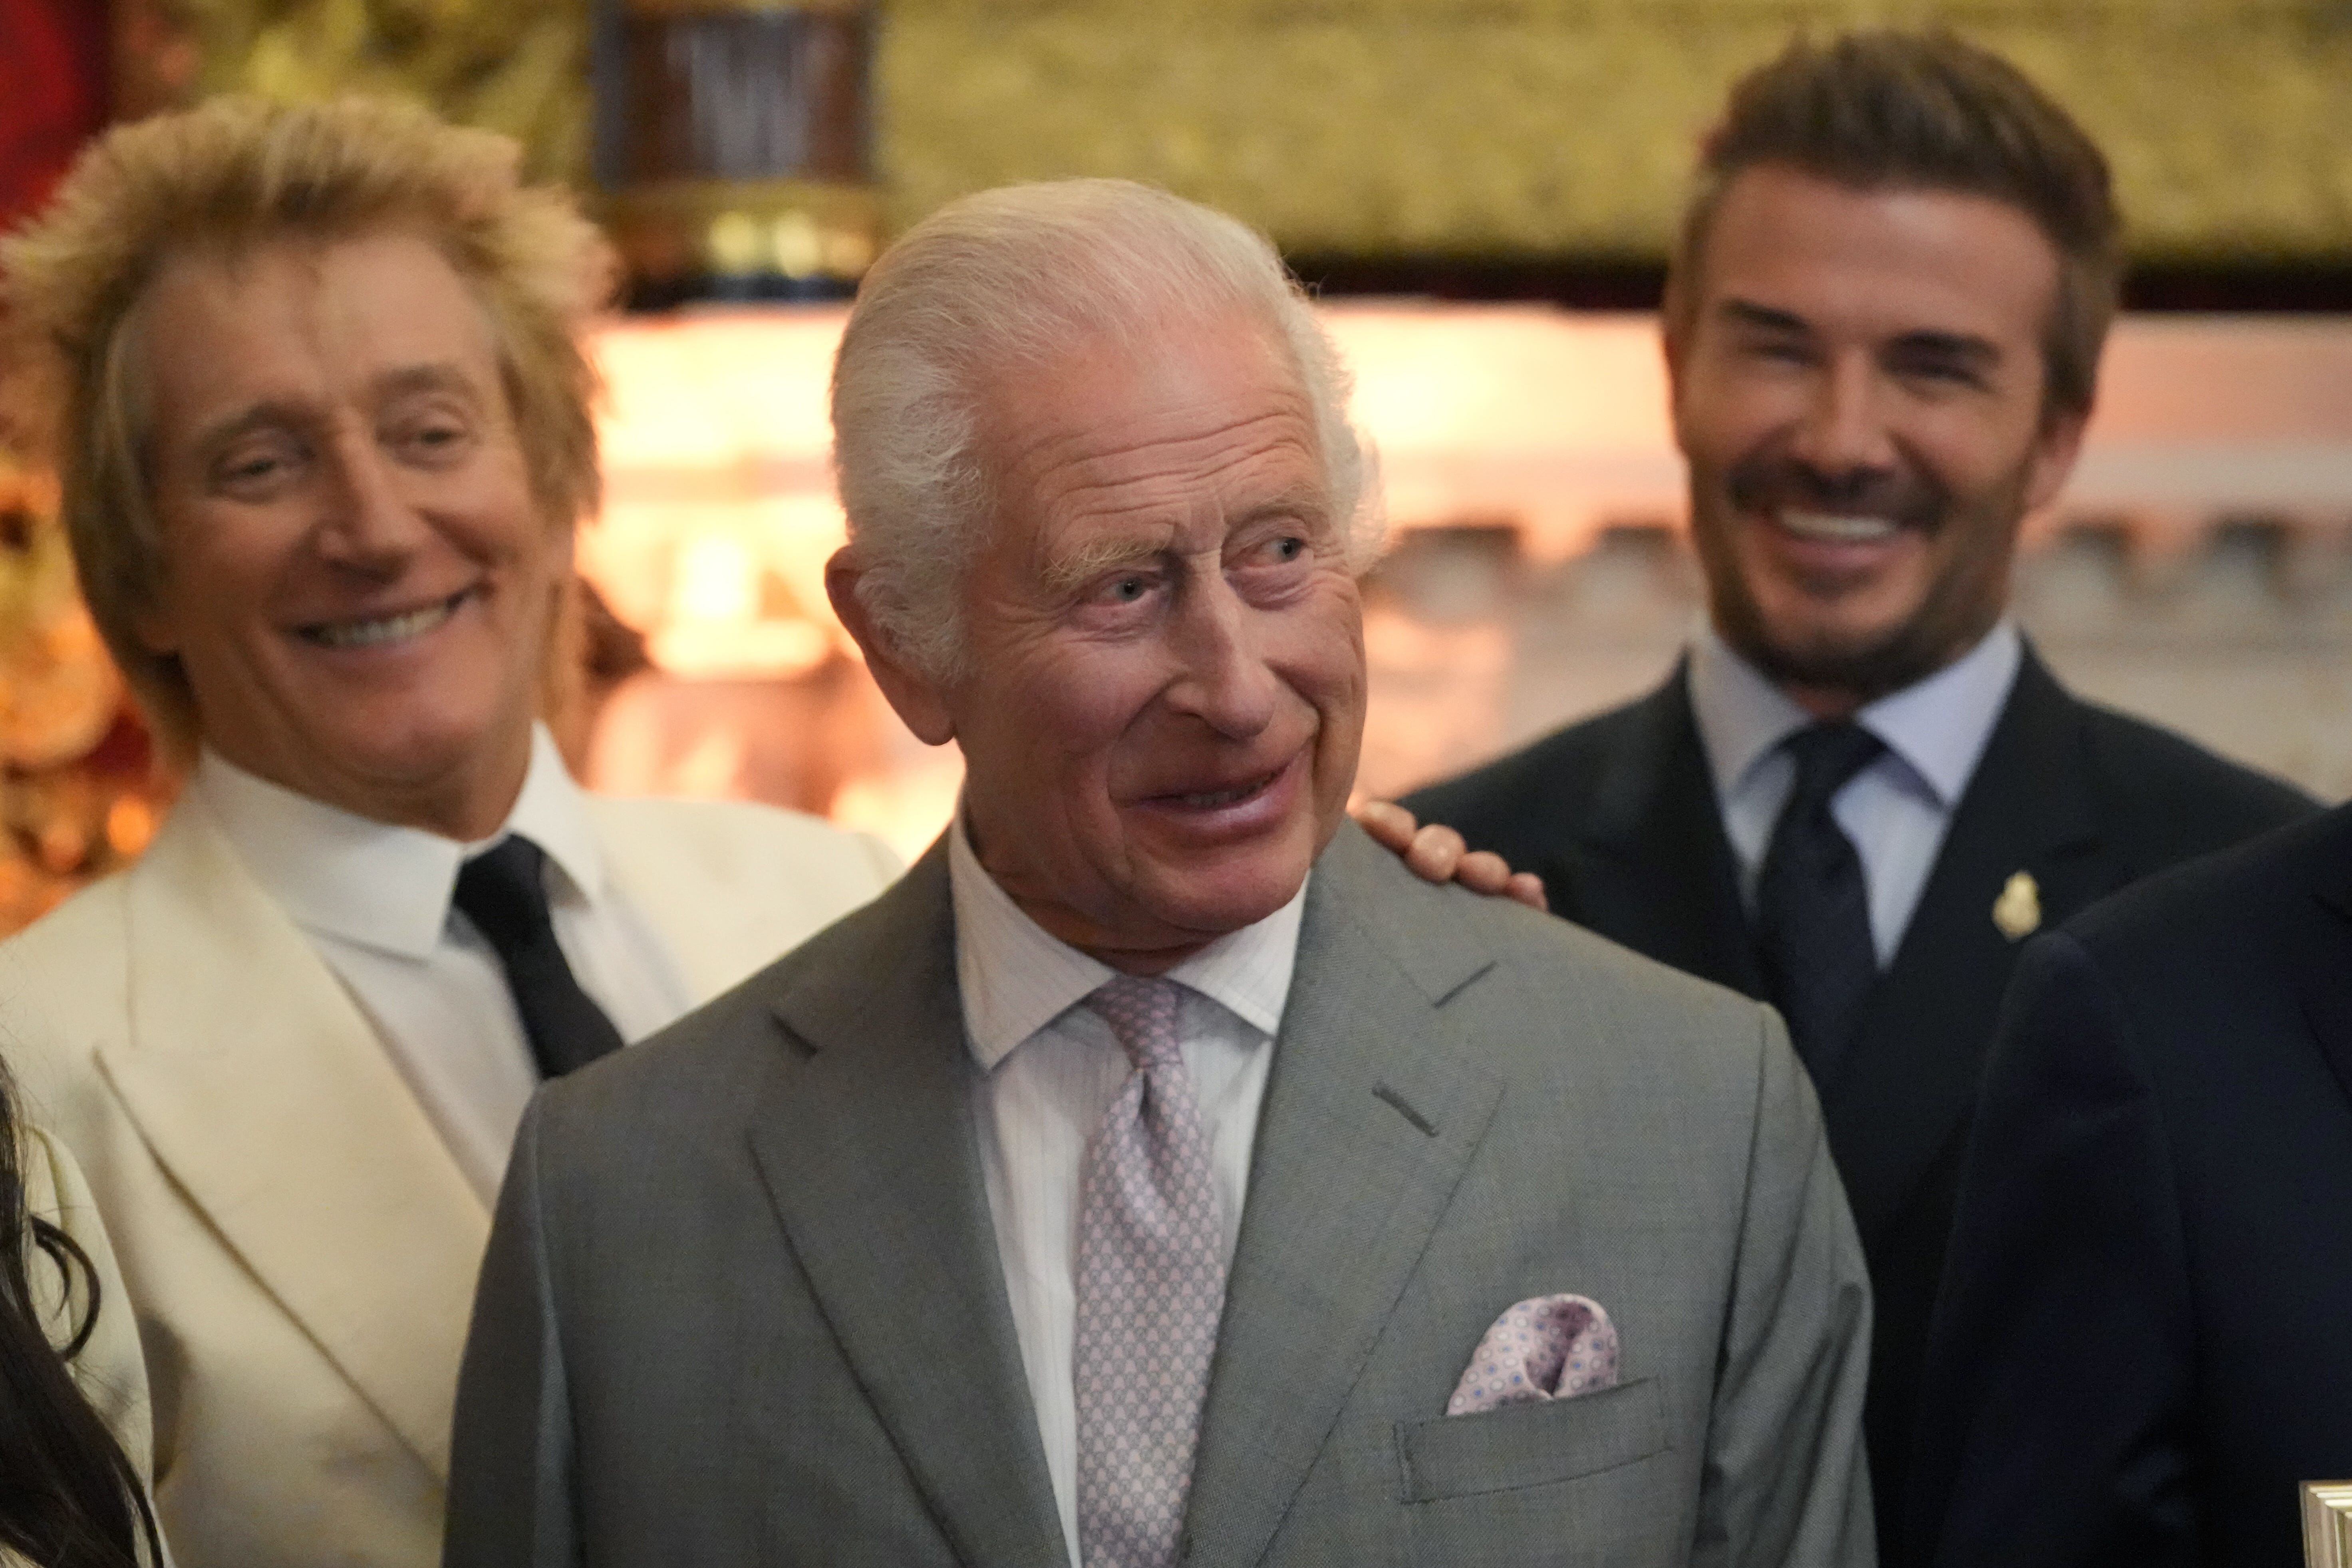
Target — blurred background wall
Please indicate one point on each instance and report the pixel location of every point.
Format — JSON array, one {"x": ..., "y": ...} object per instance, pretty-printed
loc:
[{"x": 1483, "y": 188}]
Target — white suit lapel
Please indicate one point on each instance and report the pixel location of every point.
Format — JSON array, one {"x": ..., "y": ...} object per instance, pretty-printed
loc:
[
  {"x": 267, "y": 1096},
  {"x": 669, "y": 860},
  {"x": 730, "y": 888}
]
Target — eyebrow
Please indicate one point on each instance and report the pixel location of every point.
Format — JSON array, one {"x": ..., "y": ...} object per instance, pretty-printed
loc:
[
  {"x": 1979, "y": 353},
  {"x": 256, "y": 416},
  {"x": 1976, "y": 352},
  {"x": 1748, "y": 313},
  {"x": 1068, "y": 572},
  {"x": 274, "y": 412},
  {"x": 437, "y": 376},
  {"x": 1074, "y": 568}
]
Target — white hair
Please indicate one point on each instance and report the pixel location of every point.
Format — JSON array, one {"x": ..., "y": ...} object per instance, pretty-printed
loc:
[{"x": 1013, "y": 278}]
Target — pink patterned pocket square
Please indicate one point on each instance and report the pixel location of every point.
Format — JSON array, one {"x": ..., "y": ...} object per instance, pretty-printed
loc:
[{"x": 1547, "y": 1347}]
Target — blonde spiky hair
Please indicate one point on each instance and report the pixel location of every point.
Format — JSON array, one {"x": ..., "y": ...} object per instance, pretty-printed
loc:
[{"x": 222, "y": 179}]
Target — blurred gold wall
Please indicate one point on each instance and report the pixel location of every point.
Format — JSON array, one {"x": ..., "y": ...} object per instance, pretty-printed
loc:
[{"x": 1431, "y": 126}]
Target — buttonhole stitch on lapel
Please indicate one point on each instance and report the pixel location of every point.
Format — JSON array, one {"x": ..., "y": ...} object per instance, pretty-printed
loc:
[{"x": 1404, "y": 1107}]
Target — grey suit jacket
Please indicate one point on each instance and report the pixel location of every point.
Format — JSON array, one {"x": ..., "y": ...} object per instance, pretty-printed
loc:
[{"x": 743, "y": 1305}]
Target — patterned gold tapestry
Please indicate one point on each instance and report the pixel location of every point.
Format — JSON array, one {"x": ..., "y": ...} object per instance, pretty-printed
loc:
[{"x": 1379, "y": 126}]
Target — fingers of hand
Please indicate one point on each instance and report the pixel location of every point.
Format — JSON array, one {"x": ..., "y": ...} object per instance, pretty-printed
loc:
[
  {"x": 1388, "y": 823},
  {"x": 1435, "y": 853},
  {"x": 1528, "y": 889},
  {"x": 1483, "y": 872}
]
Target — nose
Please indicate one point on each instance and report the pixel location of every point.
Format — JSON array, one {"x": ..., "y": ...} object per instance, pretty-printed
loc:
[
  {"x": 1844, "y": 431},
  {"x": 1222, "y": 677},
  {"x": 366, "y": 524}
]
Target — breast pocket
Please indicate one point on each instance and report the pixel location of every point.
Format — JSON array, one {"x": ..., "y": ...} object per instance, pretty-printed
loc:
[{"x": 1532, "y": 1445}]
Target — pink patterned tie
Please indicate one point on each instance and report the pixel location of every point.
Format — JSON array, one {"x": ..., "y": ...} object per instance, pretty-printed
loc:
[{"x": 1150, "y": 1284}]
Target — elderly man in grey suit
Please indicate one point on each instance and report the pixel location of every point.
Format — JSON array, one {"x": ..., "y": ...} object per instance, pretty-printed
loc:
[{"x": 1158, "y": 1172}]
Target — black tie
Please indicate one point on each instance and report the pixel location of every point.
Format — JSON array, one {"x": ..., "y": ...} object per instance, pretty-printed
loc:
[
  {"x": 503, "y": 894},
  {"x": 1812, "y": 909}
]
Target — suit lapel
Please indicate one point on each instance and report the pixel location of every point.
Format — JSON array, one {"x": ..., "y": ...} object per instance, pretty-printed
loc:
[
  {"x": 867, "y": 1150},
  {"x": 1655, "y": 825},
  {"x": 716, "y": 942},
  {"x": 2320, "y": 951},
  {"x": 1903, "y": 1091},
  {"x": 289, "y": 1127},
  {"x": 1371, "y": 1114}
]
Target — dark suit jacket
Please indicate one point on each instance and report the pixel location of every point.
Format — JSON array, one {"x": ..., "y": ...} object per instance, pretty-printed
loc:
[
  {"x": 743, "y": 1304},
  {"x": 1618, "y": 816},
  {"x": 2145, "y": 1338}
]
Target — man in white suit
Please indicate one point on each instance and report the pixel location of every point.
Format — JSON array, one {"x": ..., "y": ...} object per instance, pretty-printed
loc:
[{"x": 325, "y": 432}]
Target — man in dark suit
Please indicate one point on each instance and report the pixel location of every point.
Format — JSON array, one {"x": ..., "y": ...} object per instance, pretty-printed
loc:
[
  {"x": 1159, "y": 1172},
  {"x": 2140, "y": 1348},
  {"x": 1861, "y": 788}
]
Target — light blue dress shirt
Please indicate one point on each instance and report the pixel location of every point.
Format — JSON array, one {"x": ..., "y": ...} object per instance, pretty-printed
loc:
[{"x": 1898, "y": 808}]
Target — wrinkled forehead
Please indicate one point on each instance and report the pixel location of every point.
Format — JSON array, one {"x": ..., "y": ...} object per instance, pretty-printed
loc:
[
  {"x": 1171, "y": 418},
  {"x": 300, "y": 320}
]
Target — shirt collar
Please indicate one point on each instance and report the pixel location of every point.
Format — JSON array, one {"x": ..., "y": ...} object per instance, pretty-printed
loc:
[
  {"x": 1941, "y": 725},
  {"x": 339, "y": 873},
  {"x": 1937, "y": 726},
  {"x": 1016, "y": 978}
]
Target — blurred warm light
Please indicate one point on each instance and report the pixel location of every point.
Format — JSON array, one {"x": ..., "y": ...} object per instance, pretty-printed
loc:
[
  {"x": 906, "y": 806},
  {"x": 720, "y": 516},
  {"x": 1522, "y": 415},
  {"x": 130, "y": 825}
]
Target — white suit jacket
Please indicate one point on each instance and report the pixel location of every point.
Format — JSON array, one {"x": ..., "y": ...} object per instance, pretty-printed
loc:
[{"x": 299, "y": 1244}]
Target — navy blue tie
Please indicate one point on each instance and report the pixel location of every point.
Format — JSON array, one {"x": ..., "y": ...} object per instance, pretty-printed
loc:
[
  {"x": 504, "y": 892},
  {"x": 1812, "y": 906}
]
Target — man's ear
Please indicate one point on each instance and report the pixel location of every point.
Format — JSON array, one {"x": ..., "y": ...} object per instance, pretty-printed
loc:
[
  {"x": 918, "y": 700},
  {"x": 1674, "y": 343},
  {"x": 2054, "y": 451}
]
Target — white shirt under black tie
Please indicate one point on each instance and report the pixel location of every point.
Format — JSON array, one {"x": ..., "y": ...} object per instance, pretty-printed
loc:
[{"x": 375, "y": 902}]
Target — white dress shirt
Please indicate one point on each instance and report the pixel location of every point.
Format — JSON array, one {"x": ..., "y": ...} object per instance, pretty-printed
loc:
[
  {"x": 1050, "y": 1069},
  {"x": 375, "y": 901},
  {"x": 1897, "y": 809}
]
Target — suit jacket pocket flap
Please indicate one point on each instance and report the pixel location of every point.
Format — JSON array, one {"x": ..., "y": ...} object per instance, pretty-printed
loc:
[{"x": 1530, "y": 1444}]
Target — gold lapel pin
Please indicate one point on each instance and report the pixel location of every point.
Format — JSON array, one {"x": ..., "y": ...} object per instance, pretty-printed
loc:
[{"x": 2017, "y": 913}]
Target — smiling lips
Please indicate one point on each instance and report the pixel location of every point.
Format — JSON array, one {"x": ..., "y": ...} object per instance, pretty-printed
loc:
[
  {"x": 1831, "y": 527},
  {"x": 1234, "y": 798},
  {"x": 1212, "y": 799},
  {"x": 378, "y": 631}
]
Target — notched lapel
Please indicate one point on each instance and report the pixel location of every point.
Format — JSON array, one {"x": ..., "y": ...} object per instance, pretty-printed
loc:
[
  {"x": 867, "y": 1150},
  {"x": 1372, "y": 1115},
  {"x": 1655, "y": 825},
  {"x": 290, "y": 1129},
  {"x": 2323, "y": 966}
]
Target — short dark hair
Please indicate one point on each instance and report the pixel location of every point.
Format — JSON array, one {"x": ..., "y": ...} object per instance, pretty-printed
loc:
[{"x": 1889, "y": 110}]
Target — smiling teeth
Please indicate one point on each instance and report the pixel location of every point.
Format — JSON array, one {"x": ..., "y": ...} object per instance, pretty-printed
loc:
[
  {"x": 1222, "y": 797},
  {"x": 1837, "y": 529},
  {"x": 388, "y": 630}
]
